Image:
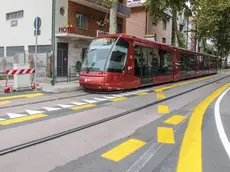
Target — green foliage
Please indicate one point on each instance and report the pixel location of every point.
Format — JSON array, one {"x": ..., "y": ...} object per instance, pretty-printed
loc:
[
  {"x": 108, "y": 3},
  {"x": 181, "y": 40},
  {"x": 156, "y": 8},
  {"x": 213, "y": 20}
]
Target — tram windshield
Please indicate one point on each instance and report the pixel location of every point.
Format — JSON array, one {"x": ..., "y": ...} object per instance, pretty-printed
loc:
[{"x": 106, "y": 54}]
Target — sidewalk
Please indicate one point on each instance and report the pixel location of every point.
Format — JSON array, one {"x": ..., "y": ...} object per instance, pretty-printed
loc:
[{"x": 60, "y": 87}]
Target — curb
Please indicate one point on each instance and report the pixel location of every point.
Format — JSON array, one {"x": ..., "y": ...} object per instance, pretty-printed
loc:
[{"x": 59, "y": 90}]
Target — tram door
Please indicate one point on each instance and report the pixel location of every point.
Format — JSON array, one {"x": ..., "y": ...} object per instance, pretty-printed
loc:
[{"x": 143, "y": 67}]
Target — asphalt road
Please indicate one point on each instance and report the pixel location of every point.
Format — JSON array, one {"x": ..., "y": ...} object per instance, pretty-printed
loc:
[{"x": 181, "y": 127}]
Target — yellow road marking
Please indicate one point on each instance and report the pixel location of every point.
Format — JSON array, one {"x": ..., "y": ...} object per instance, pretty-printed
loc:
[
  {"x": 165, "y": 135},
  {"x": 83, "y": 106},
  {"x": 192, "y": 109},
  {"x": 118, "y": 99},
  {"x": 175, "y": 120},
  {"x": 160, "y": 96},
  {"x": 22, "y": 96},
  {"x": 159, "y": 90},
  {"x": 190, "y": 158},
  {"x": 22, "y": 119},
  {"x": 143, "y": 93},
  {"x": 163, "y": 109},
  {"x": 123, "y": 150},
  {"x": 5, "y": 102}
]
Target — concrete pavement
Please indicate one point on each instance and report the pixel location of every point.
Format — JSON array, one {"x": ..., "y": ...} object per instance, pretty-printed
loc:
[{"x": 150, "y": 139}]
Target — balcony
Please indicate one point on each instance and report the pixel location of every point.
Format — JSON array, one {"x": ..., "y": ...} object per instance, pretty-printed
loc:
[{"x": 122, "y": 10}]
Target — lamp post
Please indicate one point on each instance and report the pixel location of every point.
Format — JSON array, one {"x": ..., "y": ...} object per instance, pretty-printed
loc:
[{"x": 53, "y": 40}]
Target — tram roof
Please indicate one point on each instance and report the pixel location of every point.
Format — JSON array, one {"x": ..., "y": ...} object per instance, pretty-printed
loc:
[{"x": 148, "y": 42}]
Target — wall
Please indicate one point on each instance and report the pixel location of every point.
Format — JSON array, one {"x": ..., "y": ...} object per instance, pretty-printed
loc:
[
  {"x": 136, "y": 26},
  {"x": 158, "y": 29},
  {"x": 61, "y": 20},
  {"x": 23, "y": 34},
  {"x": 92, "y": 17}
]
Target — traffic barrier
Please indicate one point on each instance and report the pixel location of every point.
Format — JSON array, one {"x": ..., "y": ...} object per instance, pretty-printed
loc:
[{"x": 20, "y": 82}]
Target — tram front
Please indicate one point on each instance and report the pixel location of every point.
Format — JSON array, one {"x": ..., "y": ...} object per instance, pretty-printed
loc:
[{"x": 104, "y": 64}]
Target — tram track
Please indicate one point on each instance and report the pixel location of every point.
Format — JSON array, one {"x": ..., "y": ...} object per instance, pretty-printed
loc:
[
  {"x": 87, "y": 92},
  {"x": 73, "y": 130}
]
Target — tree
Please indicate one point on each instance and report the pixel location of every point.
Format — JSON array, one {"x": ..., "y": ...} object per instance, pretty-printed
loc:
[
  {"x": 157, "y": 9},
  {"x": 112, "y": 4},
  {"x": 213, "y": 21}
]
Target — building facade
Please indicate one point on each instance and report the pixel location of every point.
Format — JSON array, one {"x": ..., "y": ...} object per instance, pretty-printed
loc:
[
  {"x": 140, "y": 24},
  {"x": 77, "y": 22}
]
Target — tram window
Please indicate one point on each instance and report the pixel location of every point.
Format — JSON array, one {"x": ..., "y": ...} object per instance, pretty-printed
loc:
[
  {"x": 137, "y": 60},
  {"x": 118, "y": 57},
  {"x": 202, "y": 67},
  {"x": 164, "y": 62},
  {"x": 206, "y": 61},
  {"x": 192, "y": 63},
  {"x": 183, "y": 62}
]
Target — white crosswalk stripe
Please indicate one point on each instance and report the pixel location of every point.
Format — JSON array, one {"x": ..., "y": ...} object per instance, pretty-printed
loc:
[
  {"x": 33, "y": 112},
  {"x": 90, "y": 101},
  {"x": 78, "y": 103},
  {"x": 65, "y": 106},
  {"x": 51, "y": 109},
  {"x": 100, "y": 99},
  {"x": 15, "y": 115}
]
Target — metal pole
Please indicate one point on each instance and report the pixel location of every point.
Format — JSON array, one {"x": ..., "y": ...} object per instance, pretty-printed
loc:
[
  {"x": 53, "y": 40},
  {"x": 36, "y": 49}
]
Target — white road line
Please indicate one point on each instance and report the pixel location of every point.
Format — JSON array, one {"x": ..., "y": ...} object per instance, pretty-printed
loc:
[
  {"x": 90, "y": 101},
  {"x": 33, "y": 112},
  {"x": 109, "y": 97},
  {"x": 65, "y": 106},
  {"x": 140, "y": 163},
  {"x": 100, "y": 99},
  {"x": 51, "y": 109},
  {"x": 219, "y": 124},
  {"x": 1, "y": 119},
  {"x": 78, "y": 103},
  {"x": 15, "y": 115}
]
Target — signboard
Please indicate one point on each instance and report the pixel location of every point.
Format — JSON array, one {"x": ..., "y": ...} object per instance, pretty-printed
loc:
[
  {"x": 101, "y": 32},
  {"x": 37, "y": 23},
  {"x": 150, "y": 37}
]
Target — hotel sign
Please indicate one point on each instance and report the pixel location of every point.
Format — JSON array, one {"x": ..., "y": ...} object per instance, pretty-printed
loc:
[{"x": 67, "y": 29}]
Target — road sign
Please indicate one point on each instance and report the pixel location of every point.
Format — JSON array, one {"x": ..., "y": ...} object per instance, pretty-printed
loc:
[
  {"x": 38, "y": 32},
  {"x": 37, "y": 23},
  {"x": 37, "y": 26}
]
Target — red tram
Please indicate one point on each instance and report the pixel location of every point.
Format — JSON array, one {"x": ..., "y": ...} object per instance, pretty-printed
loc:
[{"x": 119, "y": 62}]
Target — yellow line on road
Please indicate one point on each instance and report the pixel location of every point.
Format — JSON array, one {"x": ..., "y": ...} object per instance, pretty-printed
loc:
[
  {"x": 83, "y": 106},
  {"x": 165, "y": 135},
  {"x": 22, "y": 96},
  {"x": 175, "y": 119},
  {"x": 118, "y": 99},
  {"x": 160, "y": 96},
  {"x": 22, "y": 119},
  {"x": 5, "y": 102},
  {"x": 190, "y": 158},
  {"x": 159, "y": 90},
  {"x": 123, "y": 150},
  {"x": 164, "y": 109},
  {"x": 143, "y": 93}
]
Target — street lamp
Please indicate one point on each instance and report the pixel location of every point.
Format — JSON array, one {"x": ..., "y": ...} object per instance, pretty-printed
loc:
[{"x": 53, "y": 40}]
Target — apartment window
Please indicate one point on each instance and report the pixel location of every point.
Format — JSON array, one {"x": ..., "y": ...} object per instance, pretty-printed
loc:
[
  {"x": 163, "y": 40},
  {"x": 81, "y": 21},
  {"x": 15, "y": 15},
  {"x": 164, "y": 24}
]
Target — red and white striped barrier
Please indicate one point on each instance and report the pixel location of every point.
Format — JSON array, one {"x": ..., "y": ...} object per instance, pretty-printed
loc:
[{"x": 20, "y": 71}]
